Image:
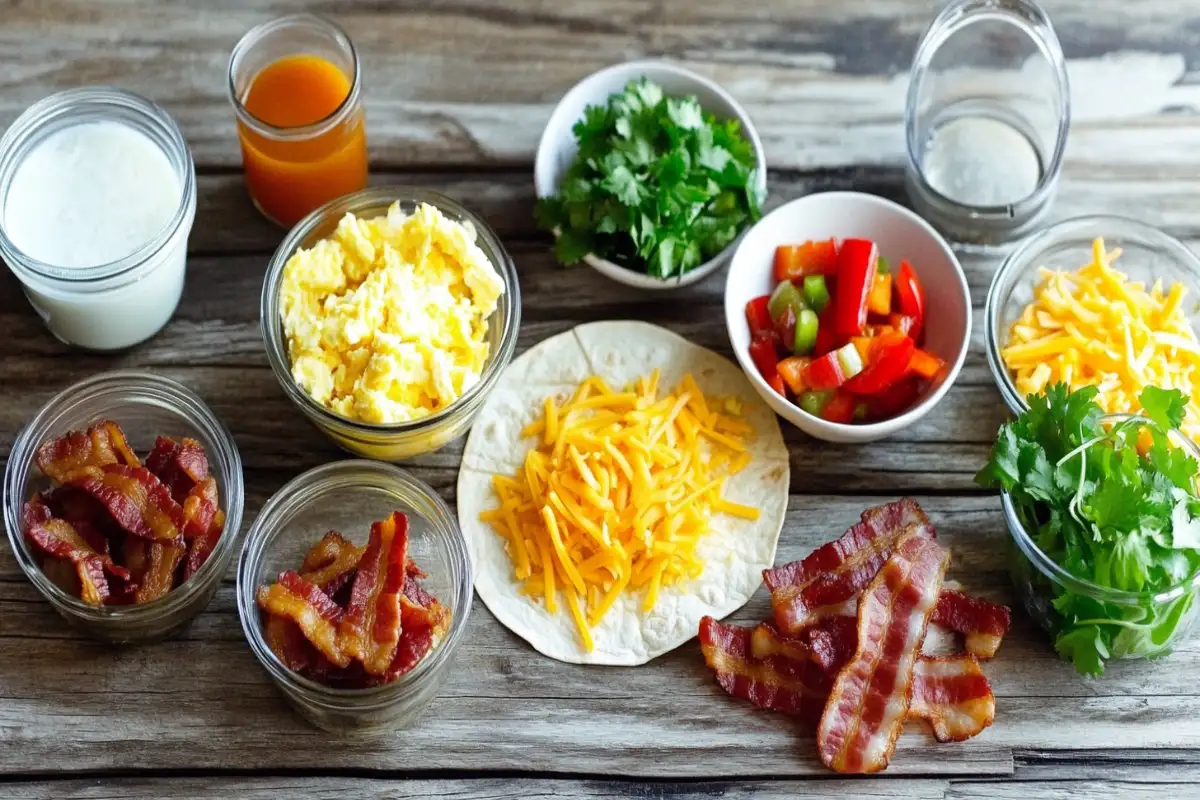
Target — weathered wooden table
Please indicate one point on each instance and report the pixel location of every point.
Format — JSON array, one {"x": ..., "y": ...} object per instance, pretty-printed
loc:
[{"x": 457, "y": 93}]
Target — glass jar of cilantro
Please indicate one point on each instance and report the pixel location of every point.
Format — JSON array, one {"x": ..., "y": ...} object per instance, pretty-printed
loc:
[{"x": 1104, "y": 522}]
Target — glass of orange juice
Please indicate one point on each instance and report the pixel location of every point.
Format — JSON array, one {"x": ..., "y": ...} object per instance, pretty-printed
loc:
[{"x": 297, "y": 91}]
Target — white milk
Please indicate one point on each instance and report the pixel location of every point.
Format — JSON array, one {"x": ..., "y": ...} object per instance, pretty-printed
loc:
[{"x": 88, "y": 195}]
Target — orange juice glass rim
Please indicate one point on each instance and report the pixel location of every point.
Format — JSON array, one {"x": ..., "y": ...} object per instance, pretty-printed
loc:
[{"x": 300, "y": 132}]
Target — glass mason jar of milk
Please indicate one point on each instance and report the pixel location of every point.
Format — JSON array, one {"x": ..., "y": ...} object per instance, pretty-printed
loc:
[{"x": 97, "y": 198}]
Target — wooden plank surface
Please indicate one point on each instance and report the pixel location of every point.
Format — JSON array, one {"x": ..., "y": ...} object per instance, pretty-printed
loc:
[{"x": 457, "y": 93}]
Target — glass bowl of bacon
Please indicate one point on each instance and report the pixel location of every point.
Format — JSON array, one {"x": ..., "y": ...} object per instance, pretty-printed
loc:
[
  {"x": 354, "y": 587},
  {"x": 123, "y": 500}
]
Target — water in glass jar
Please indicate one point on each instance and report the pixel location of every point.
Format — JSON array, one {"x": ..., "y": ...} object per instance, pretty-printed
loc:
[{"x": 977, "y": 157}]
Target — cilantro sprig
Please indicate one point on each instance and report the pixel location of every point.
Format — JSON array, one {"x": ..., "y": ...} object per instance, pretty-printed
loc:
[
  {"x": 1115, "y": 506},
  {"x": 659, "y": 186}
]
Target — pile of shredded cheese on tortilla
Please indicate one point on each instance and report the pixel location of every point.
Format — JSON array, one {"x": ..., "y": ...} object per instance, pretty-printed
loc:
[
  {"x": 1096, "y": 327},
  {"x": 616, "y": 494}
]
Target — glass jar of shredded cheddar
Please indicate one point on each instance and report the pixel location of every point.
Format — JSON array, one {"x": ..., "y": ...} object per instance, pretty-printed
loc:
[{"x": 297, "y": 92}]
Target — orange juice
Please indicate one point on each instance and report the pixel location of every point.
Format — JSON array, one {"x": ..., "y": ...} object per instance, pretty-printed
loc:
[{"x": 306, "y": 142}]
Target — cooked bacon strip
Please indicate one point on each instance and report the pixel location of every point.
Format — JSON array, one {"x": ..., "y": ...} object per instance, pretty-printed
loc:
[
  {"x": 58, "y": 538},
  {"x": 205, "y": 524},
  {"x": 804, "y": 592},
  {"x": 159, "y": 577},
  {"x": 287, "y": 642},
  {"x": 83, "y": 512},
  {"x": 952, "y": 694},
  {"x": 331, "y": 562},
  {"x": 424, "y": 621},
  {"x": 370, "y": 629},
  {"x": 871, "y": 695},
  {"x": 982, "y": 623},
  {"x": 781, "y": 676},
  {"x": 102, "y": 444},
  {"x": 310, "y": 608},
  {"x": 137, "y": 500},
  {"x": 179, "y": 465}
]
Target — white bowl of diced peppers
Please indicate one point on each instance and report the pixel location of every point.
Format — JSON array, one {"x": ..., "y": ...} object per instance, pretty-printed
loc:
[{"x": 849, "y": 314}]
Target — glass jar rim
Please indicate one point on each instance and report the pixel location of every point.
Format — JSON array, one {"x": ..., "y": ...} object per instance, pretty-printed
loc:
[
  {"x": 308, "y": 487},
  {"x": 298, "y": 132},
  {"x": 370, "y": 197},
  {"x": 1033, "y": 20},
  {"x": 180, "y": 399},
  {"x": 1057, "y": 573},
  {"x": 49, "y": 110},
  {"x": 1020, "y": 258}
]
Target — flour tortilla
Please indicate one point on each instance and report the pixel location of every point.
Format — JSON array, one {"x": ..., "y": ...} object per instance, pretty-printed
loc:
[{"x": 735, "y": 551}]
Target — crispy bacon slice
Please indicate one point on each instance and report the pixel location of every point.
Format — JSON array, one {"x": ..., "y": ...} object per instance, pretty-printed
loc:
[
  {"x": 84, "y": 514},
  {"x": 205, "y": 524},
  {"x": 424, "y": 621},
  {"x": 102, "y": 444},
  {"x": 370, "y": 629},
  {"x": 950, "y": 693},
  {"x": 982, "y": 623},
  {"x": 159, "y": 576},
  {"x": 136, "y": 500},
  {"x": 59, "y": 539},
  {"x": 870, "y": 698},
  {"x": 331, "y": 562},
  {"x": 296, "y": 599},
  {"x": 953, "y": 696},
  {"x": 804, "y": 592},
  {"x": 287, "y": 642},
  {"x": 179, "y": 465},
  {"x": 781, "y": 675}
]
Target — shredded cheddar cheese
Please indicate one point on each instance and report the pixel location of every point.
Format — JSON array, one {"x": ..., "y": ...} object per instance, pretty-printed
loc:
[
  {"x": 617, "y": 493},
  {"x": 1095, "y": 327}
]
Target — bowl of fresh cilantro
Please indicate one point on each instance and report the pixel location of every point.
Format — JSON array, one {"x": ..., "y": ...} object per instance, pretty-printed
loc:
[
  {"x": 649, "y": 173},
  {"x": 1104, "y": 521}
]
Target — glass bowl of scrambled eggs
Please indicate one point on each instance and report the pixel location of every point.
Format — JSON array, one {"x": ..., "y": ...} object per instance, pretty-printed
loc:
[{"x": 388, "y": 315}]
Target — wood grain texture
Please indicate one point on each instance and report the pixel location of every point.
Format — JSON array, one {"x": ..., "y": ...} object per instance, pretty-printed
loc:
[
  {"x": 464, "y": 82},
  {"x": 457, "y": 93}
]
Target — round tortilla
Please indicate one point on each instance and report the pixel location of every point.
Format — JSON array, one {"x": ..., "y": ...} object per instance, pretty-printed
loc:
[{"x": 735, "y": 551}]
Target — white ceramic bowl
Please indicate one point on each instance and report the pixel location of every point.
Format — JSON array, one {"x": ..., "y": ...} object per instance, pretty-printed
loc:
[
  {"x": 900, "y": 234},
  {"x": 557, "y": 148}
]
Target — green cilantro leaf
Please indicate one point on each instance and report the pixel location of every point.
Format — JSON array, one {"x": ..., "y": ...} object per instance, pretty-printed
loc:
[
  {"x": 1165, "y": 407},
  {"x": 658, "y": 185},
  {"x": 1115, "y": 505}
]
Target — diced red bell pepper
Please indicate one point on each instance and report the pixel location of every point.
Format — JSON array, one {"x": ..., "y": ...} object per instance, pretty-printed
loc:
[
  {"x": 879, "y": 301},
  {"x": 792, "y": 371},
  {"x": 794, "y": 261},
  {"x": 757, "y": 316},
  {"x": 895, "y": 399},
  {"x": 840, "y": 408},
  {"x": 776, "y": 383},
  {"x": 902, "y": 322},
  {"x": 762, "y": 353},
  {"x": 827, "y": 340},
  {"x": 911, "y": 297},
  {"x": 833, "y": 369},
  {"x": 785, "y": 327},
  {"x": 856, "y": 273},
  {"x": 890, "y": 358},
  {"x": 925, "y": 364}
]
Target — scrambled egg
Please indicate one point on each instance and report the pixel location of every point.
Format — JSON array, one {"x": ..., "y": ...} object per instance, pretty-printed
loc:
[{"x": 386, "y": 320}]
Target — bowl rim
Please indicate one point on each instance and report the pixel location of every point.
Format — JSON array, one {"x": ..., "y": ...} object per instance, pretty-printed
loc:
[
  {"x": 1022, "y": 258},
  {"x": 275, "y": 344},
  {"x": 265, "y": 524},
  {"x": 850, "y": 431},
  {"x": 615, "y": 271},
  {"x": 188, "y": 405},
  {"x": 1055, "y": 572}
]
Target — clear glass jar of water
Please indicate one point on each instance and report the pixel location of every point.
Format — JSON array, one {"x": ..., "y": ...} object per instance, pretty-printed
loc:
[{"x": 986, "y": 119}]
